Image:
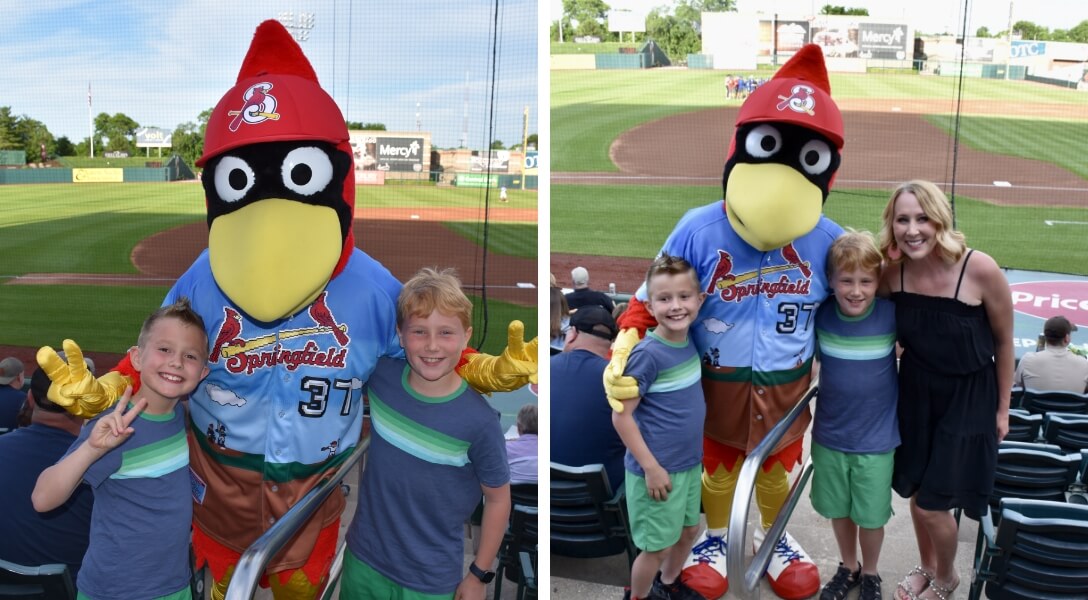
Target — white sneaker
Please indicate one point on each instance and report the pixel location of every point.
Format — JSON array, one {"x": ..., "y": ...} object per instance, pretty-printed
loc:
[
  {"x": 704, "y": 570},
  {"x": 791, "y": 572}
]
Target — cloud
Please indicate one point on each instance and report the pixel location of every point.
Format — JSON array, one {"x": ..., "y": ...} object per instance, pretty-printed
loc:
[
  {"x": 717, "y": 326},
  {"x": 224, "y": 397}
]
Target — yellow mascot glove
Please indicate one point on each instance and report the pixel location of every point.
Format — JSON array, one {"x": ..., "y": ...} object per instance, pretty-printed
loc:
[
  {"x": 617, "y": 386},
  {"x": 512, "y": 369},
  {"x": 74, "y": 387}
]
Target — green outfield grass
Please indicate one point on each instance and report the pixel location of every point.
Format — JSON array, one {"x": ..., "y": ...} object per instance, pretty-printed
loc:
[
  {"x": 92, "y": 229},
  {"x": 1063, "y": 143},
  {"x": 590, "y": 109},
  {"x": 507, "y": 239},
  {"x": 600, "y": 220}
]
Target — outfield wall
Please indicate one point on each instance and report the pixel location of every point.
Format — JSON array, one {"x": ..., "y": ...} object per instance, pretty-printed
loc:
[{"x": 103, "y": 175}]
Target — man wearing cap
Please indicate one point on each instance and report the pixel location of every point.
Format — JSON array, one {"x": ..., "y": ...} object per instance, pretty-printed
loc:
[
  {"x": 11, "y": 392},
  {"x": 581, "y": 430},
  {"x": 583, "y": 295},
  {"x": 60, "y": 535},
  {"x": 1054, "y": 367}
]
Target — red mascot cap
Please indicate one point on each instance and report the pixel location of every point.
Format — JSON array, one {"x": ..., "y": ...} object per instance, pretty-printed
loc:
[
  {"x": 277, "y": 98},
  {"x": 799, "y": 93}
]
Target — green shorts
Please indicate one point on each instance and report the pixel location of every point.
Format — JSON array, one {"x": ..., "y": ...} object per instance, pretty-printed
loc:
[
  {"x": 858, "y": 486},
  {"x": 360, "y": 581},
  {"x": 183, "y": 594},
  {"x": 656, "y": 525}
]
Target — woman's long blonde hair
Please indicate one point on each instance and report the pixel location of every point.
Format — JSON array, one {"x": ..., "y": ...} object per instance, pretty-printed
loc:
[{"x": 951, "y": 244}]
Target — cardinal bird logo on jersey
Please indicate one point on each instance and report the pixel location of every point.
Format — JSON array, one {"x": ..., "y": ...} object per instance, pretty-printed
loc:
[
  {"x": 244, "y": 355},
  {"x": 734, "y": 287}
]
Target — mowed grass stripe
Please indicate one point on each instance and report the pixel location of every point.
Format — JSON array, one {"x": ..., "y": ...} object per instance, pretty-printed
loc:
[
  {"x": 1063, "y": 143},
  {"x": 508, "y": 239}
]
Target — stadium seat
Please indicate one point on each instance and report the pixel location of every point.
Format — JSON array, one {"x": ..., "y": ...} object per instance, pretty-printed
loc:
[
  {"x": 587, "y": 519},
  {"x": 1023, "y": 426},
  {"x": 1041, "y": 473},
  {"x": 1065, "y": 430},
  {"x": 1017, "y": 398},
  {"x": 1040, "y": 402},
  {"x": 520, "y": 537},
  {"x": 528, "y": 575},
  {"x": 1039, "y": 550},
  {"x": 42, "y": 582}
]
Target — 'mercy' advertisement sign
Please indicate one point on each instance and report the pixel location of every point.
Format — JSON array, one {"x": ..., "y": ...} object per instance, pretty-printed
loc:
[
  {"x": 399, "y": 154},
  {"x": 883, "y": 41}
]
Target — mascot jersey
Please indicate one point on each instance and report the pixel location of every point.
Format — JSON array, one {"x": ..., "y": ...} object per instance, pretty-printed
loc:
[
  {"x": 282, "y": 404},
  {"x": 755, "y": 331}
]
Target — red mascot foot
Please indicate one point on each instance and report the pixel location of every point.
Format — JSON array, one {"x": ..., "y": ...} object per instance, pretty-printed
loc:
[
  {"x": 704, "y": 570},
  {"x": 791, "y": 572}
]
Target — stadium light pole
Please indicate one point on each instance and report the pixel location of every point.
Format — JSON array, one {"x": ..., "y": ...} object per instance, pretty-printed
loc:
[{"x": 524, "y": 145}]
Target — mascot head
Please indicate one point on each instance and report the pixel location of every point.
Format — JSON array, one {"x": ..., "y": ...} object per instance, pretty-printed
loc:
[
  {"x": 784, "y": 155},
  {"x": 279, "y": 182}
]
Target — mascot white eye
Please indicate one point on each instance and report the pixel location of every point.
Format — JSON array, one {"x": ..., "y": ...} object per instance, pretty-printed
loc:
[
  {"x": 815, "y": 157},
  {"x": 233, "y": 178},
  {"x": 763, "y": 141},
  {"x": 306, "y": 171}
]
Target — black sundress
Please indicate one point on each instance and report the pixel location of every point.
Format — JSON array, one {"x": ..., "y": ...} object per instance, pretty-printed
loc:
[{"x": 947, "y": 402}]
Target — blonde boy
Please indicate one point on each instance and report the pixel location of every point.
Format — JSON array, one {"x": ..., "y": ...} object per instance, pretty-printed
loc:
[
  {"x": 855, "y": 431},
  {"x": 662, "y": 429},
  {"x": 136, "y": 459},
  {"x": 436, "y": 446}
]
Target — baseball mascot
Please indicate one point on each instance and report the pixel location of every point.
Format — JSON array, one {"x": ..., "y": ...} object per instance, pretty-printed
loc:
[
  {"x": 760, "y": 254},
  {"x": 296, "y": 317}
]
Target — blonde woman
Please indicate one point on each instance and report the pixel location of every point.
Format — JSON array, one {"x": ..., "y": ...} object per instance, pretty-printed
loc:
[{"x": 954, "y": 322}]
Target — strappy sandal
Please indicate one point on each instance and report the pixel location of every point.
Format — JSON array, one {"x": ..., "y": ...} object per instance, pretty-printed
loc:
[
  {"x": 905, "y": 590},
  {"x": 942, "y": 592}
]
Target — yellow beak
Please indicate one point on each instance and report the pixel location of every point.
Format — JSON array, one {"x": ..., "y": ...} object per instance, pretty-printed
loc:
[
  {"x": 770, "y": 204},
  {"x": 273, "y": 257}
]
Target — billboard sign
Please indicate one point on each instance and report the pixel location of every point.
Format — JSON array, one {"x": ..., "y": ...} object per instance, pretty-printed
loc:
[
  {"x": 398, "y": 154},
  {"x": 626, "y": 20},
  {"x": 886, "y": 41},
  {"x": 496, "y": 161},
  {"x": 477, "y": 180},
  {"x": 1027, "y": 49},
  {"x": 153, "y": 137},
  {"x": 790, "y": 36},
  {"x": 530, "y": 164}
]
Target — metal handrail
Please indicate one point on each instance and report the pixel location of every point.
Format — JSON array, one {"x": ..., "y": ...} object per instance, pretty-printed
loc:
[
  {"x": 742, "y": 498},
  {"x": 256, "y": 558}
]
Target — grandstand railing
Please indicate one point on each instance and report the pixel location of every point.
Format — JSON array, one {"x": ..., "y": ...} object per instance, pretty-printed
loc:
[
  {"x": 255, "y": 559},
  {"x": 748, "y": 587}
]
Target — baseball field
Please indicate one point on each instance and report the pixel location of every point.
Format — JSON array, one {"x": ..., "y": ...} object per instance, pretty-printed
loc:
[
  {"x": 90, "y": 261},
  {"x": 633, "y": 150}
]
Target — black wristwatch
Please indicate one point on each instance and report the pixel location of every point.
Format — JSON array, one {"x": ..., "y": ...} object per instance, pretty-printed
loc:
[{"x": 483, "y": 576}]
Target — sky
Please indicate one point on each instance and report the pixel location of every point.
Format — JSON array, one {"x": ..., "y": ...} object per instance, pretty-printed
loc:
[
  {"x": 162, "y": 63},
  {"x": 928, "y": 16}
]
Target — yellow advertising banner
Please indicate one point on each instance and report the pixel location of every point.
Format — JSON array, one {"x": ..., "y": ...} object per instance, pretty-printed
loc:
[{"x": 98, "y": 175}]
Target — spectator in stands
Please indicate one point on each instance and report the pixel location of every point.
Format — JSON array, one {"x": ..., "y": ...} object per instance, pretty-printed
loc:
[
  {"x": 583, "y": 295},
  {"x": 11, "y": 392},
  {"x": 29, "y": 537},
  {"x": 560, "y": 319},
  {"x": 620, "y": 307},
  {"x": 521, "y": 452},
  {"x": 581, "y": 420},
  {"x": 1055, "y": 367}
]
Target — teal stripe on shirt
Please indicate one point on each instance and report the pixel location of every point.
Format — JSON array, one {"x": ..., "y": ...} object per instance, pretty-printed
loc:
[
  {"x": 155, "y": 460},
  {"x": 679, "y": 377},
  {"x": 418, "y": 440},
  {"x": 856, "y": 348}
]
